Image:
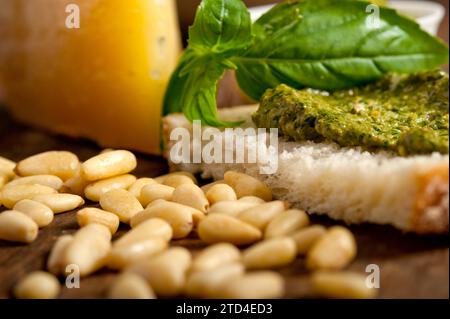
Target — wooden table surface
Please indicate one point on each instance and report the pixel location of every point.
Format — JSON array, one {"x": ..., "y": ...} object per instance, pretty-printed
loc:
[{"x": 411, "y": 266}]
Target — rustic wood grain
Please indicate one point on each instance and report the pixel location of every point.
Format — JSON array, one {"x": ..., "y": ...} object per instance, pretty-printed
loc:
[{"x": 411, "y": 266}]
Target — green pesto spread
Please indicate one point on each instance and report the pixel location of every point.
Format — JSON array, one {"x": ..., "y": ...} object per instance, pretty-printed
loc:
[{"x": 404, "y": 114}]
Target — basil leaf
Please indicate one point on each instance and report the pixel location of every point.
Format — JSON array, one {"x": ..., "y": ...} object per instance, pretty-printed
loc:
[
  {"x": 177, "y": 84},
  {"x": 222, "y": 28},
  {"x": 330, "y": 44},
  {"x": 192, "y": 88}
]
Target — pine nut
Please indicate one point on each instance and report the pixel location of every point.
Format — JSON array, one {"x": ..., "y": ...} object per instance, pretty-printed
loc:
[
  {"x": 260, "y": 216},
  {"x": 232, "y": 208},
  {"x": 335, "y": 250},
  {"x": 47, "y": 180},
  {"x": 342, "y": 285},
  {"x": 218, "y": 228},
  {"x": 151, "y": 228},
  {"x": 107, "y": 150},
  {"x": 121, "y": 203},
  {"x": 63, "y": 164},
  {"x": 166, "y": 272},
  {"x": 11, "y": 195},
  {"x": 245, "y": 185},
  {"x": 180, "y": 217},
  {"x": 55, "y": 261},
  {"x": 3, "y": 180},
  {"x": 197, "y": 216},
  {"x": 210, "y": 284},
  {"x": 219, "y": 193},
  {"x": 89, "y": 249},
  {"x": 271, "y": 253},
  {"x": 207, "y": 187},
  {"x": 136, "y": 188},
  {"x": 306, "y": 238},
  {"x": 152, "y": 192},
  {"x": 215, "y": 256},
  {"x": 108, "y": 164},
  {"x": 257, "y": 285},
  {"x": 95, "y": 190},
  {"x": 17, "y": 227},
  {"x": 92, "y": 215},
  {"x": 60, "y": 203},
  {"x": 130, "y": 286},
  {"x": 41, "y": 214},
  {"x": 7, "y": 167},
  {"x": 122, "y": 256},
  {"x": 76, "y": 185},
  {"x": 252, "y": 199},
  {"x": 191, "y": 195},
  {"x": 156, "y": 202},
  {"x": 286, "y": 223},
  {"x": 162, "y": 179},
  {"x": 37, "y": 285},
  {"x": 175, "y": 180}
]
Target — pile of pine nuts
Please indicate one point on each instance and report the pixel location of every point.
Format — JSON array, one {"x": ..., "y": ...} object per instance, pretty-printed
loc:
[{"x": 234, "y": 212}]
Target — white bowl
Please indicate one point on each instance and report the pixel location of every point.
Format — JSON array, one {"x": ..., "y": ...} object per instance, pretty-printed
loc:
[{"x": 428, "y": 14}]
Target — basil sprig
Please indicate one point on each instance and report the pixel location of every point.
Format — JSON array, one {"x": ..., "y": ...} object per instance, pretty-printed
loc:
[
  {"x": 221, "y": 31},
  {"x": 322, "y": 44}
]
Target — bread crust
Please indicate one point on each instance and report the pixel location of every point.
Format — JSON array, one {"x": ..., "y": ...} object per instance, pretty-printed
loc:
[{"x": 431, "y": 209}]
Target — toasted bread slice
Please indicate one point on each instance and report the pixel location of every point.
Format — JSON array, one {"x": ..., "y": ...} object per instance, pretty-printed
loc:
[{"x": 349, "y": 184}]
